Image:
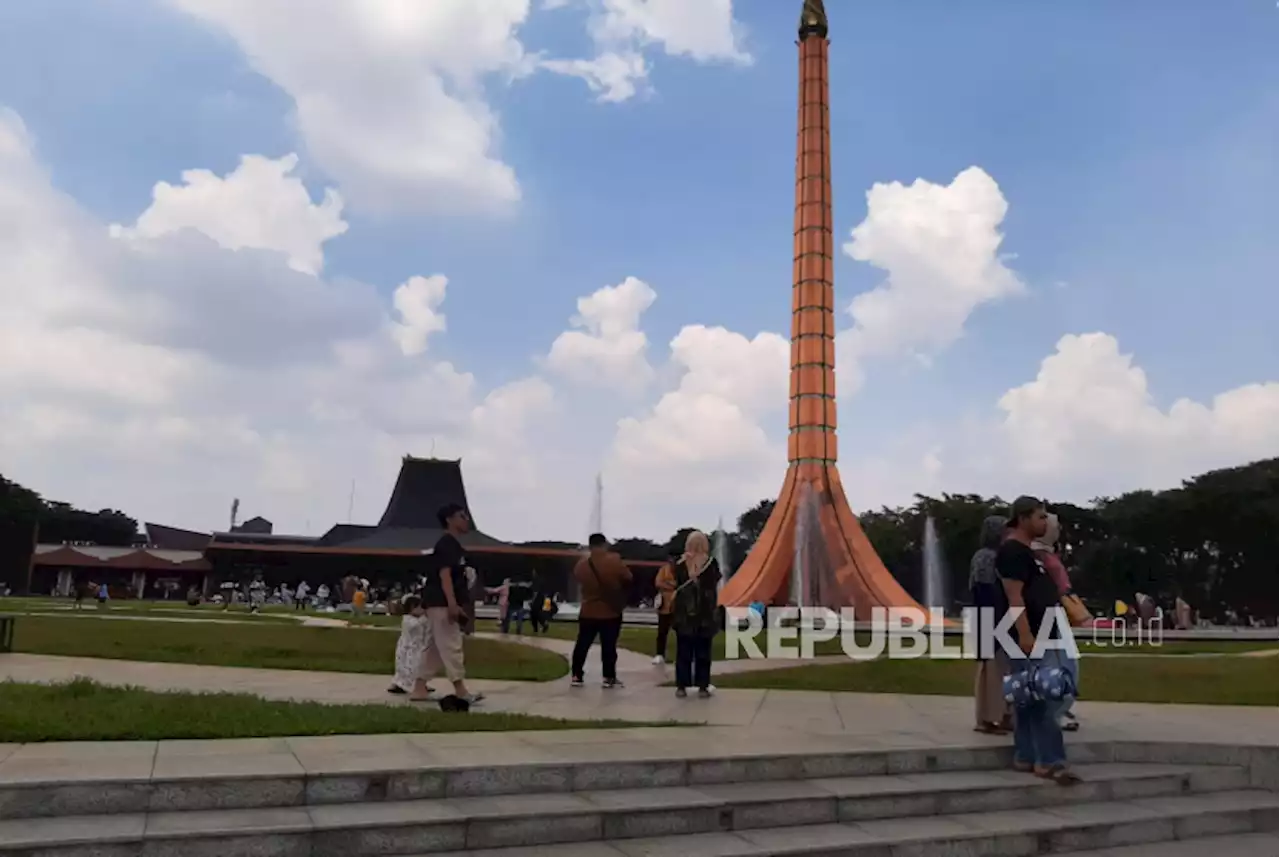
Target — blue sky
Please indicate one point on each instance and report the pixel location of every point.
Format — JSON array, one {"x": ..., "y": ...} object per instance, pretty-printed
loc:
[{"x": 1135, "y": 144}]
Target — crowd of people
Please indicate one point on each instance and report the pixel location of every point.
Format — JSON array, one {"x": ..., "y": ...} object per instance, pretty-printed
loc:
[{"x": 1031, "y": 694}]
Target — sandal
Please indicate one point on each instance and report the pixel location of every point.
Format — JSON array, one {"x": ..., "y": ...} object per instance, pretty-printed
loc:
[
  {"x": 1024, "y": 768},
  {"x": 1060, "y": 774},
  {"x": 989, "y": 729}
]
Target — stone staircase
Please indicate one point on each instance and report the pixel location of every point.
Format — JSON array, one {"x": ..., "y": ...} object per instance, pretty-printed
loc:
[{"x": 938, "y": 801}]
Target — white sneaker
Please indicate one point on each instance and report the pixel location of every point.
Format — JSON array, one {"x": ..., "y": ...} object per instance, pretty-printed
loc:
[
  {"x": 711, "y": 688},
  {"x": 659, "y": 660}
]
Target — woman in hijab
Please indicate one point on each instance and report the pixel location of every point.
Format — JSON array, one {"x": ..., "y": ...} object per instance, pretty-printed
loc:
[
  {"x": 990, "y": 710},
  {"x": 1045, "y": 549},
  {"x": 694, "y": 615}
]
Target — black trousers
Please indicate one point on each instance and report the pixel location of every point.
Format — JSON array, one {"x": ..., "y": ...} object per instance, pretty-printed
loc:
[
  {"x": 693, "y": 661},
  {"x": 607, "y": 630},
  {"x": 664, "y": 630}
]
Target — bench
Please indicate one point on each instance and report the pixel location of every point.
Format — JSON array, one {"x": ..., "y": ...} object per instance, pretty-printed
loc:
[{"x": 6, "y": 632}]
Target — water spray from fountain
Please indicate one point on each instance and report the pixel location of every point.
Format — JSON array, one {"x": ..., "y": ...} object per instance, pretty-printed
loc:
[
  {"x": 720, "y": 550},
  {"x": 935, "y": 576},
  {"x": 811, "y": 569}
]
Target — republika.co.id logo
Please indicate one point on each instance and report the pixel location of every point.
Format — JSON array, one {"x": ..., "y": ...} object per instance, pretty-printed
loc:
[{"x": 908, "y": 632}]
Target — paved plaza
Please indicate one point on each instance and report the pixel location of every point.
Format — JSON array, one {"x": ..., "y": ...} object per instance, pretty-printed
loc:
[{"x": 925, "y": 720}]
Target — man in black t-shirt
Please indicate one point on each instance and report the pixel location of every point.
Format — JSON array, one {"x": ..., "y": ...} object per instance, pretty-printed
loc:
[
  {"x": 446, "y": 597},
  {"x": 1037, "y": 737}
]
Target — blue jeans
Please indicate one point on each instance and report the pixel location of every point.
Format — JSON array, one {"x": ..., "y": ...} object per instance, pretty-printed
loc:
[
  {"x": 514, "y": 614},
  {"x": 1037, "y": 737}
]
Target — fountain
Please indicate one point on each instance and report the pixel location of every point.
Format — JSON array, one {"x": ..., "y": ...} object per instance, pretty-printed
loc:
[
  {"x": 811, "y": 568},
  {"x": 720, "y": 550},
  {"x": 935, "y": 573}
]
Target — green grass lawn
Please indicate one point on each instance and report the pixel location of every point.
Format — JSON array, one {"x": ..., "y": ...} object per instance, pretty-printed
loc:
[
  {"x": 1221, "y": 681},
  {"x": 642, "y": 639},
  {"x": 84, "y": 711},
  {"x": 270, "y": 645}
]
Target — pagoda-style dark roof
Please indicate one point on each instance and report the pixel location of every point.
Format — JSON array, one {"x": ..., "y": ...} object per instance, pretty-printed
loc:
[
  {"x": 248, "y": 538},
  {"x": 424, "y": 486},
  {"x": 172, "y": 538},
  {"x": 416, "y": 538},
  {"x": 341, "y": 534}
]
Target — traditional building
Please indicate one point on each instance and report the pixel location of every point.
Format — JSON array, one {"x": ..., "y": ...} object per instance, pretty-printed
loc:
[
  {"x": 812, "y": 550},
  {"x": 394, "y": 550}
]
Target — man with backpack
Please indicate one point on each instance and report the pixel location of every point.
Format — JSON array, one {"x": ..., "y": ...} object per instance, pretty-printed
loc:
[{"x": 604, "y": 582}]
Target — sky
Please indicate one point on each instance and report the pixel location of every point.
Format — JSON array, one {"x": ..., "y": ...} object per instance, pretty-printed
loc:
[{"x": 247, "y": 253}]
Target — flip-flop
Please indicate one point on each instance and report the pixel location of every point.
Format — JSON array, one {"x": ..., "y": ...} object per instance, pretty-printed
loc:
[
  {"x": 1024, "y": 768},
  {"x": 989, "y": 729}
]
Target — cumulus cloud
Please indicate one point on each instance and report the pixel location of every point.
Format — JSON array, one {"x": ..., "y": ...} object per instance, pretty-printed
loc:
[
  {"x": 258, "y": 205},
  {"x": 704, "y": 31},
  {"x": 1088, "y": 424},
  {"x": 939, "y": 246},
  {"x": 388, "y": 95},
  {"x": 168, "y": 372},
  {"x": 706, "y": 435},
  {"x": 609, "y": 347},
  {"x": 417, "y": 301}
]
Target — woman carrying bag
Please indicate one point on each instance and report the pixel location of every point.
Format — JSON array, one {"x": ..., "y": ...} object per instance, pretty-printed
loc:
[{"x": 695, "y": 615}]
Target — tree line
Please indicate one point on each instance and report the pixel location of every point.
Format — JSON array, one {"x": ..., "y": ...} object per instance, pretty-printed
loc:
[
  {"x": 21, "y": 508},
  {"x": 1213, "y": 541}
]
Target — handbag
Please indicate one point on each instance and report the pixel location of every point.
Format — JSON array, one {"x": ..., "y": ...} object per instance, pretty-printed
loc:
[
  {"x": 1077, "y": 614},
  {"x": 1038, "y": 684}
]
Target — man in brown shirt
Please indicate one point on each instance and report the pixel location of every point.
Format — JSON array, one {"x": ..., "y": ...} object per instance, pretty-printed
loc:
[{"x": 603, "y": 581}]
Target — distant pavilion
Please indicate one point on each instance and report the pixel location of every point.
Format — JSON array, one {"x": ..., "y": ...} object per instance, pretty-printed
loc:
[{"x": 392, "y": 551}]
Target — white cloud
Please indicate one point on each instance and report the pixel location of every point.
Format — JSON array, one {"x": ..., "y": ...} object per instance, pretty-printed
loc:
[
  {"x": 939, "y": 245},
  {"x": 614, "y": 76},
  {"x": 704, "y": 31},
  {"x": 388, "y": 94},
  {"x": 706, "y": 435},
  {"x": 1088, "y": 424},
  {"x": 418, "y": 300},
  {"x": 259, "y": 205},
  {"x": 164, "y": 375},
  {"x": 609, "y": 348}
]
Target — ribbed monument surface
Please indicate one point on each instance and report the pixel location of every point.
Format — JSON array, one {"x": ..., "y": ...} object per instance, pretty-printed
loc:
[{"x": 812, "y": 528}]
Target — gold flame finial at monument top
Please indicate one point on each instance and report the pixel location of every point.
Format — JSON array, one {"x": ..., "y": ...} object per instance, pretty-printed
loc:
[{"x": 813, "y": 19}]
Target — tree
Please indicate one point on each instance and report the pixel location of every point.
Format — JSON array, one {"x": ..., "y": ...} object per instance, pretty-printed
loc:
[
  {"x": 60, "y": 522},
  {"x": 751, "y": 522},
  {"x": 1212, "y": 541}
]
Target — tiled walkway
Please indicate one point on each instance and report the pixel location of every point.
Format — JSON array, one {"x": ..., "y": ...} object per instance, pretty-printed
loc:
[{"x": 895, "y": 717}]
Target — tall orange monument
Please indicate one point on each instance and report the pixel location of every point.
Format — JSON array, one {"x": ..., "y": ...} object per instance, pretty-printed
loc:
[{"x": 812, "y": 551}]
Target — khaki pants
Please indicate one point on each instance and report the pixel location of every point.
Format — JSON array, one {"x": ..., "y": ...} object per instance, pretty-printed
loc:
[
  {"x": 988, "y": 692},
  {"x": 444, "y": 646}
]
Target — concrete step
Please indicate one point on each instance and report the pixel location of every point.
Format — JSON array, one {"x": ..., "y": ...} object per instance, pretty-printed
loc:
[
  {"x": 1240, "y": 845},
  {"x": 1154, "y": 822},
  {"x": 216, "y": 782},
  {"x": 747, "y": 814}
]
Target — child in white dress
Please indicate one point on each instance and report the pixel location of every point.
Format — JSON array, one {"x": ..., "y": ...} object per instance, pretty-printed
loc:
[{"x": 414, "y": 636}]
